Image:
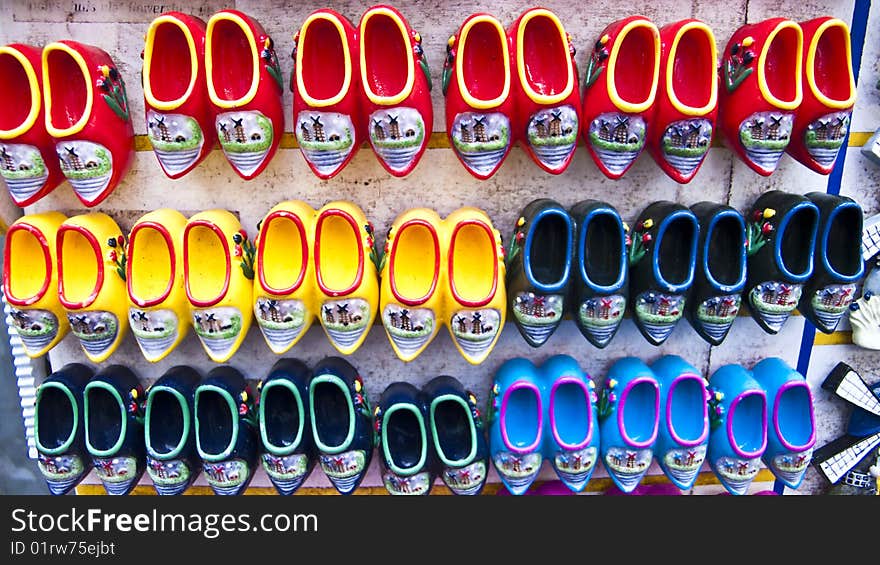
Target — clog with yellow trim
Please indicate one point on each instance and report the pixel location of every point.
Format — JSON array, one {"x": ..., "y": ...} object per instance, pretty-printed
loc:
[
  {"x": 30, "y": 282},
  {"x": 547, "y": 94},
  {"x": 28, "y": 164},
  {"x": 244, "y": 90},
  {"x": 823, "y": 119},
  {"x": 411, "y": 297},
  {"x": 346, "y": 276},
  {"x": 88, "y": 115},
  {"x": 620, "y": 93},
  {"x": 761, "y": 78},
  {"x": 396, "y": 89},
  {"x": 179, "y": 124},
  {"x": 218, "y": 268},
  {"x": 326, "y": 92},
  {"x": 157, "y": 307},
  {"x": 477, "y": 81},
  {"x": 476, "y": 300},
  {"x": 91, "y": 254},
  {"x": 683, "y": 124},
  {"x": 284, "y": 293}
]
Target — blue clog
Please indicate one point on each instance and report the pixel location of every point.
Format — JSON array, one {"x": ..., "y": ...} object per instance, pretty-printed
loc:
[
  {"x": 629, "y": 418},
  {"x": 738, "y": 421},
  {"x": 516, "y": 424},
  {"x": 684, "y": 420},
  {"x": 571, "y": 433},
  {"x": 406, "y": 455},
  {"x": 791, "y": 431}
]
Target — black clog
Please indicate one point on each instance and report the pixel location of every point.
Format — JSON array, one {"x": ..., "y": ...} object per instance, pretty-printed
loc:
[{"x": 406, "y": 454}]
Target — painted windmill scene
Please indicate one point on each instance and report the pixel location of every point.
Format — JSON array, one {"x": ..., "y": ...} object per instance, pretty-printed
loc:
[
  {"x": 765, "y": 136},
  {"x": 345, "y": 320},
  {"x": 245, "y": 138},
  {"x": 410, "y": 328},
  {"x": 774, "y": 301},
  {"x": 824, "y": 137},
  {"x": 617, "y": 139},
  {"x": 325, "y": 138},
  {"x": 36, "y": 328},
  {"x": 23, "y": 169},
  {"x": 281, "y": 321},
  {"x": 218, "y": 327},
  {"x": 538, "y": 314},
  {"x": 659, "y": 312},
  {"x": 396, "y": 135},
  {"x": 481, "y": 140},
  {"x": 685, "y": 143},
  {"x": 154, "y": 330},
  {"x": 88, "y": 166},
  {"x": 552, "y": 134},
  {"x": 177, "y": 140},
  {"x": 474, "y": 330},
  {"x": 96, "y": 330}
]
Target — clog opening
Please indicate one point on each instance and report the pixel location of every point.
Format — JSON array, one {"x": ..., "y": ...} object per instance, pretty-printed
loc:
[
  {"x": 416, "y": 262},
  {"x": 170, "y": 70},
  {"x": 404, "y": 436},
  {"x": 795, "y": 416},
  {"x": 633, "y": 69},
  {"x": 545, "y": 55},
  {"x": 522, "y": 417},
  {"x": 68, "y": 87},
  {"x": 571, "y": 412},
  {"x": 797, "y": 235},
  {"x": 724, "y": 254},
  {"x": 282, "y": 418},
  {"x": 282, "y": 260},
  {"x": 28, "y": 260},
  {"x": 152, "y": 264},
  {"x": 233, "y": 69},
  {"x": 215, "y": 427},
  {"x": 338, "y": 258},
  {"x": 686, "y": 411},
  {"x": 472, "y": 269},
  {"x": 831, "y": 67},
  {"x": 747, "y": 423},
  {"x": 602, "y": 250},
  {"x": 640, "y": 412},
  {"x": 550, "y": 249},
  {"x": 15, "y": 100},
  {"x": 842, "y": 247},
  {"x": 105, "y": 417},
  {"x": 208, "y": 264},
  {"x": 79, "y": 280},
  {"x": 454, "y": 429},
  {"x": 332, "y": 415},
  {"x": 782, "y": 64},
  {"x": 385, "y": 55},
  {"x": 166, "y": 426},
  {"x": 693, "y": 70},
  {"x": 55, "y": 418},
  {"x": 323, "y": 60},
  {"x": 483, "y": 62},
  {"x": 674, "y": 255}
]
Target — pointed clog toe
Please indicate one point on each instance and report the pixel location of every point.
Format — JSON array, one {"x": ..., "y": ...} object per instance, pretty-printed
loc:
[
  {"x": 629, "y": 421},
  {"x": 172, "y": 460},
  {"x": 761, "y": 91},
  {"x": 286, "y": 426},
  {"x": 88, "y": 116},
  {"x": 516, "y": 424},
  {"x": 600, "y": 276},
  {"x": 342, "y": 423},
  {"x": 720, "y": 275},
  {"x": 59, "y": 428},
  {"x": 662, "y": 261},
  {"x": 218, "y": 263},
  {"x": 456, "y": 429},
  {"x": 396, "y": 100},
  {"x": 283, "y": 291},
  {"x": 620, "y": 93},
  {"x": 30, "y": 282},
  {"x": 346, "y": 275},
  {"x": 477, "y": 80},
  {"x": 548, "y": 102},
  {"x": 476, "y": 306},
  {"x": 114, "y": 420},
  {"x": 157, "y": 305},
  {"x": 28, "y": 164},
  {"x": 412, "y": 281},
  {"x": 781, "y": 235},
  {"x": 326, "y": 92},
  {"x": 407, "y": 456},
  {"x": 226, "y": 430},
  {"x": 179, "y": 120},
  {"x": 91, "y": 253},
  {"x": 244, "y": 89},
  {"x": 539, "y": 269}
]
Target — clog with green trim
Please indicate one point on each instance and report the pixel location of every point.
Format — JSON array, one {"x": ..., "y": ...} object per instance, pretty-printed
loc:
[{"x": 407, "y": 456}]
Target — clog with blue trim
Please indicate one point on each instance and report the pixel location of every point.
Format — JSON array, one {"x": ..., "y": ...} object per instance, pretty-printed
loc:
[
  {"x": 88, "y": 116},
  {"x": 408, "y": 462}
]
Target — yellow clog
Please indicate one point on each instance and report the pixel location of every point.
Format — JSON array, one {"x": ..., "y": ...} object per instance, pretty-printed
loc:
[
  {"x": 284, "y": 296},
  {"x": 157, "y": 306},
  {"x": 345, "y": 275},
  {"x": 91, "y": 282},
  {"x": 30, "y": 282},
  {"x": 412, "y": 282},
  {"x": 475, "y": 297},
  {"x": 218, "y": 277}
]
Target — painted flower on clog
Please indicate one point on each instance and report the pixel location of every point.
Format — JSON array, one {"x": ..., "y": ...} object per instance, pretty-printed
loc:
[{"x": 736, "y": 68}]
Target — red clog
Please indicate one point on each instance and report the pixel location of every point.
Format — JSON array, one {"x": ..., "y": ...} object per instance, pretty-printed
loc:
[
  {"x": 761, "y": 91},
  {"x": 27, "y": 153},
  {"x": 87, "y": 114},
  {"x": 822, "y": 121},
  {"x": 687, "y": 99},
  {"x": 479, "y": 103},
  {"x": 326, "y": 92},
  {"x": 245, "y": 90},
  {"x": 621, "y": 89},
  {"x": 396, "y": 87},
  {"x": 179, "y": 123},
  {"x": 548, "y": 104}
]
